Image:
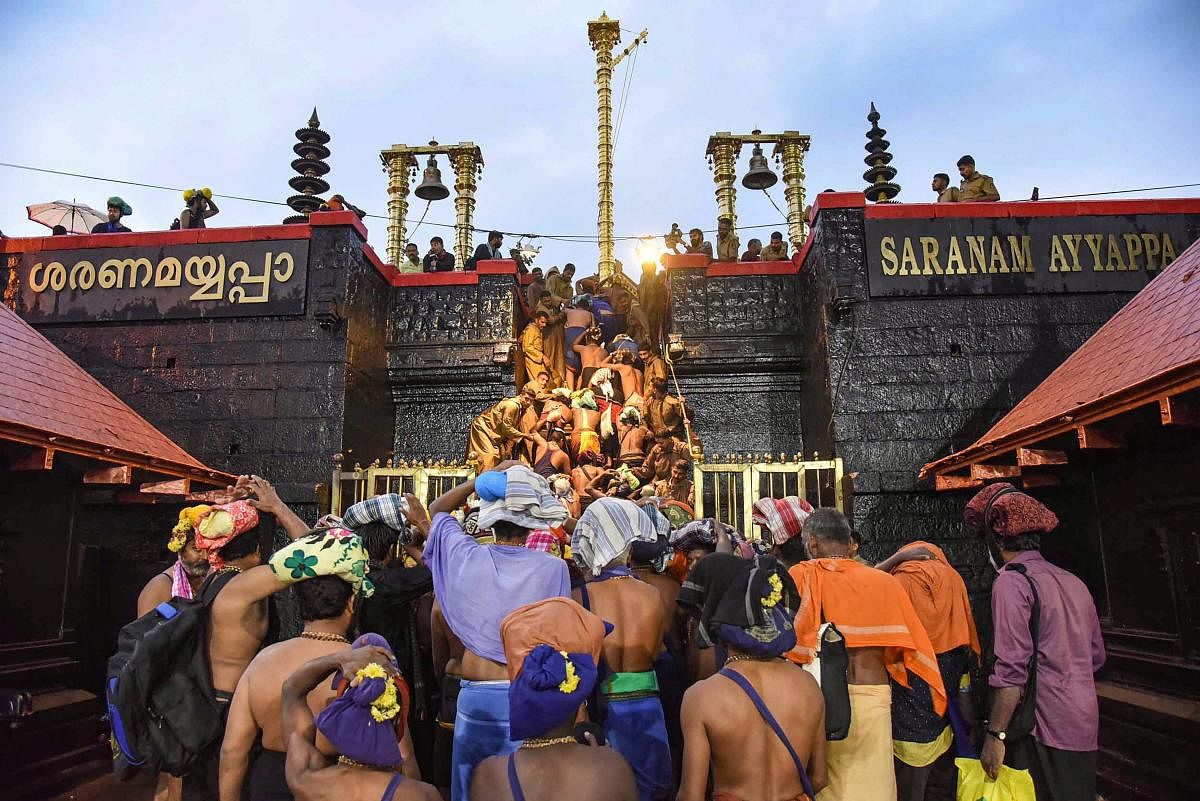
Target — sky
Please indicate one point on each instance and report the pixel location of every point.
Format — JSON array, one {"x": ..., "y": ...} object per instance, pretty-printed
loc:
[{"x": 1070, "y": 97}]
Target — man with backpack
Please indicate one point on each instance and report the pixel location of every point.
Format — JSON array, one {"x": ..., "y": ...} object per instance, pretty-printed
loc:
[{"x": 1048, "y": 646}]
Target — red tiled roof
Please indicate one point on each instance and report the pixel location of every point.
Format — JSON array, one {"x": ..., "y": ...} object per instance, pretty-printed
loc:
[
  {"x": 1149, "y": 349},
  {"x": 45, "y": 395}
]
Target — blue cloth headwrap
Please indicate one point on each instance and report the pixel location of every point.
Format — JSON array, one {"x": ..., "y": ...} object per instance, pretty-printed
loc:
[
  {"x": 536, "y": 701},
  {"x": 774, "y": 637},
  {"x": 490, "y": 486}
]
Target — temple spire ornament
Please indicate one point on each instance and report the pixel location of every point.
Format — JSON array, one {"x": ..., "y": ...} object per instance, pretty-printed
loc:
[
  {"x": 309, "y": 168},
  {"x": 879, "y": 177}
]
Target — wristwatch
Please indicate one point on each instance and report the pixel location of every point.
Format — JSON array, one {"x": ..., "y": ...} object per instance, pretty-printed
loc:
[{"x": 999, "y": 735}]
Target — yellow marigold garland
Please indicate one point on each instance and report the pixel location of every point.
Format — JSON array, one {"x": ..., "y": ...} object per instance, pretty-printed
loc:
[
  {"x": 776, "y": 591},
  {"x": 571, "y": 682},
  {"x": 189, "y": 518},
  {"x": 386, "y": 706}
]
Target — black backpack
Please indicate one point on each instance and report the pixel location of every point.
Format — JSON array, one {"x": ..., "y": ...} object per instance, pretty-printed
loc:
[{"x": 158, "y": 689}]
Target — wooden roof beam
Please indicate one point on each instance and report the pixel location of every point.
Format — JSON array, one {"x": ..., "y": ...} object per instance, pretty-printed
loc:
[
  {"x": 942, "y": 483},
  {"x": 1094, "y": 438},
  {"x": 33, "y": 458},
  {"x": 990, "y": 472},
  {"x": 1036, "y": 480},
  {"x": 180, "y": 486},
  {"x": 114, "y": 474},
  {"x": 1175, "y": 411},
  {"x": 1039, "y": 457}
]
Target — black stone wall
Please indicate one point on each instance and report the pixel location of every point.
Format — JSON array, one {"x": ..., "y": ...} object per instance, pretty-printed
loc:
[
  {"x": 894, "y": 383},
  {"x": 741, "y": 375},
  {"x": 448, "y": 360},
  {"x": 274, "y": 396}
]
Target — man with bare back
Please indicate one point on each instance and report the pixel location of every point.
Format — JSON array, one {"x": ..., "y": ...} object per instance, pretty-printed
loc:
[
  {"x": 631, "y": 711},
  {"x": 633, "y": 438},
  {"x": 758, "y": 724}
]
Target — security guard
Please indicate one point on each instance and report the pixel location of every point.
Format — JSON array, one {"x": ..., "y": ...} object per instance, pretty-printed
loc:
[{"x": 975, "y": 187}]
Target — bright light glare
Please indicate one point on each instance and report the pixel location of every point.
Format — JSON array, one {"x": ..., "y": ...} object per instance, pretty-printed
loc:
[{"x": 649, "y": 249}]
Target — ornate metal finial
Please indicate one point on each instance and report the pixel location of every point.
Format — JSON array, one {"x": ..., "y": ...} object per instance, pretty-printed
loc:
[
  {"x": 310, "y": 147},
  {"x": 880, "y": 175}
]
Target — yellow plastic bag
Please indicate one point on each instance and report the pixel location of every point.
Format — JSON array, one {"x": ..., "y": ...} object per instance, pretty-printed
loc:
[{"x": 974, "y": 784}]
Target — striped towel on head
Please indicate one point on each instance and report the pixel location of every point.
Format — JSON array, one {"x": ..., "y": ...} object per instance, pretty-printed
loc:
[
  {"x": 528, "y": 502},
  {"x": 783, "y": 517},
  {"x": 702, "y": 534},
  {"x": 390, "y": 509},
  {"x": 606, "y": 528}
]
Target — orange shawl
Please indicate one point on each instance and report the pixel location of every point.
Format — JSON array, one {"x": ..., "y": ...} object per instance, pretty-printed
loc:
[
  {"x": 939, "y": 595},
  {"x": 870, "y": 608}
]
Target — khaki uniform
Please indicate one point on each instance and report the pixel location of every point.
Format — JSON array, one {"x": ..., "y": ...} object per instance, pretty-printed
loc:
[
  {"x": 728, "y": 248},
  {"x": 950, "y": 194},
  {"x": 532, "y": 350},
  {"x": 664, "y": 413},
  {"x": 976, "y": 187},
  {"x": 770, "y": 254},
  {"x": 654, "y": 367},
  {"x": 553, "y": 344},
  {"x": 493, "y": 432}
]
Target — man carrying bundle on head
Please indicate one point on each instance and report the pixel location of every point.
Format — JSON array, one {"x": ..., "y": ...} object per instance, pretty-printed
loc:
[
  {"x": 400, "y": 608},
  {"x": 364, "y": 724},
  {"x": 552, "y": 648},
  {"x": 182, "y": 579},
  {"x": 783, "y": 519},
  {"x": 477, "y": 585},
  {"x": 630, "y": 709},
  {"x": 326, "y": 605},
  {"x": 884, "y": 642},
  {"x": 759, "y": 724},
  {"x": 1048, "y": 648}
]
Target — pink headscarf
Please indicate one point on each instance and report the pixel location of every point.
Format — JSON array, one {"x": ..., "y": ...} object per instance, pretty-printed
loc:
[{"x": 221, "y": 526}]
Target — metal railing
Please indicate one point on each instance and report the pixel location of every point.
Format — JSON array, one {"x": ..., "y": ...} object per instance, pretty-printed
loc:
[{"x": 725, "y": 487}]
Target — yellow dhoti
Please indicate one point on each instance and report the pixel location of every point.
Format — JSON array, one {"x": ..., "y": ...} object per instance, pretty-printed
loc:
[{"x": 860, "y": 767}]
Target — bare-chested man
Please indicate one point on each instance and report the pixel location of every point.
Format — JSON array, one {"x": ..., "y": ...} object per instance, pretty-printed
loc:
[
  {"x": 585, "y": 425},
  {"x": 368, "y": 772},
  {"x": 579, "y": 319},
  {"x": 554, "y": 637},
  {"x": 883, "y": 635},
  {"x": 326, "y": 605},
  {"x": 549, "y": 456},
  {"x": 184, "y": 577},
  {"x": 447, "y": 667},
  {"x": 621, "y": 363},
  {"x": 592, "y": 355},
  {"x": 476, "y": 585},
  {"x": 745, "y": 609},
  {"x": 591, "y": 479},
  {"x": 633, "y": 714},
  {"x": 633, "y": 438},
  {"x": 237, "y": 622}
]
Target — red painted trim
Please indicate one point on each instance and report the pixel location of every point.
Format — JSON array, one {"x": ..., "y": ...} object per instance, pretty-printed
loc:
[
  {"x": 723, "y": 269},
  {"x": 496, "y": 267},
  {"x": 683, "y": 261},
  {"x": 838, "y": 200},
  {"x": 150, "y": 239},
  {"x": 435, "y": 279},
  {"x": 1033, "y": 208},
  {"x": 388, "y": 272},
  {"x": 323, "y": 218}
]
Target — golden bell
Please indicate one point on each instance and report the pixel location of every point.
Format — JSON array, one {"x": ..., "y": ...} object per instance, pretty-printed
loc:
[
  {"x": 759, "y": 176},
  {"x": 431, "y": 187}
]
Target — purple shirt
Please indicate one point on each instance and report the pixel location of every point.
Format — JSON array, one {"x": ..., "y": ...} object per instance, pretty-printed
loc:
[
  {"x": 477, "y": 585},
  {"x": 1070, "y": 650}
]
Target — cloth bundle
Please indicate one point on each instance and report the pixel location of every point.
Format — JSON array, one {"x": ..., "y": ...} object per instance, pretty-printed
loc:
[
  {"x": 1010, "y": 515},
  {"x": 702, "y": 534},
  {"x": 605, "y": 530},
  {"x": 783, "y": 517},
  {"x": 524, "y": 499},
  {"x": 221, "y": 525},
  {"x": 331, "y": 552},
  {"x": 390, "y": 509},
  {"x": 365, "y": 722},
  {"x": 747, "y": 604},
  {"x": 552, "y": 649}
]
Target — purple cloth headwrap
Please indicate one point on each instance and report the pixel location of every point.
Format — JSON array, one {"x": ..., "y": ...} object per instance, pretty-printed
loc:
[
  {"x": 536, "y": 701},
  {"x": 348, "y": 724}
]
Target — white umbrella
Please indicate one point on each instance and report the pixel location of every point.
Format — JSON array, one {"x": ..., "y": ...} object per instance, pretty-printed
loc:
[{"x": 75, "y": 217}]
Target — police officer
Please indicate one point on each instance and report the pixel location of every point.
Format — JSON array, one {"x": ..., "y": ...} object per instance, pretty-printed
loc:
[{"x": 975, "y": 187}]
